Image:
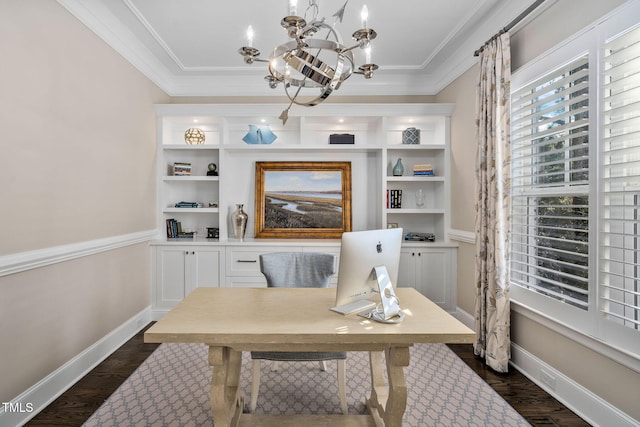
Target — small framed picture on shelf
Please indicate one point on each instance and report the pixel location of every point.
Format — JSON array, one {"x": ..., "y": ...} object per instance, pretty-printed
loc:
[{"x": 392, "y": 225}]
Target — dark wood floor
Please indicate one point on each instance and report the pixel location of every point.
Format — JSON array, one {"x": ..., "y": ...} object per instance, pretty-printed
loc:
[
  {"x": 533, "y": 403},
  {"x": 85, "y": 397}
]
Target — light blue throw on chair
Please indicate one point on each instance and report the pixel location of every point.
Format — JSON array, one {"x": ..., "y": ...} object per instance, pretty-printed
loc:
[{"x": 298, "y": 270}]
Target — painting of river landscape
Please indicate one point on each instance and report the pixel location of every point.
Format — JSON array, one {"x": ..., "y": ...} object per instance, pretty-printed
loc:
[{"x": 303, "y": 199}]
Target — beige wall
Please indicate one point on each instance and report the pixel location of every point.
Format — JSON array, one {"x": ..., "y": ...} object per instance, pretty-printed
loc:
[
  {"x": 463, "y": 156},
  {"x": 581, "y": 364},
  {"x": 51, "y": 314},
  {"x": 77, "y": 136},
  {"x": 552, "y": 27},
  {"x": 77, "y": 142}
]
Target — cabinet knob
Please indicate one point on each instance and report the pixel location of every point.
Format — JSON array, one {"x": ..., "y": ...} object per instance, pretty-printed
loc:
[{"x": 247, "y": 260}]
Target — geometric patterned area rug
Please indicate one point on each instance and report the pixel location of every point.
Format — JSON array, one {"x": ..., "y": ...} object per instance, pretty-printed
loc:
[{"x": 171, "y": 388}]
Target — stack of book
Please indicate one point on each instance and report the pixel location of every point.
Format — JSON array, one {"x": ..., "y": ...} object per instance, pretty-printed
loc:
[
  {"x": 186, "y": 205},
  {"x": 423, "y": 170},
  {"x": 181, "y": 169},
  {"x": 174, "y": 230},
  {"x": 394, "y": 199}
]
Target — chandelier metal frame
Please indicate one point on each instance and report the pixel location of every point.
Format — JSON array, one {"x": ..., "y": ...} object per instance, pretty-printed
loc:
[{"x": 297, "y": 63}]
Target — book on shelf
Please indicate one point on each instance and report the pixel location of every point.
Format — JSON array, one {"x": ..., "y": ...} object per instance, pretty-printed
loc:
[
  {"x": 181, "y": 169},
  {"x": 394, "y": 199},
  {"x": 424, "y": 169},
  {"x": 174, "y": 230},
  {"x": 187, "y": 205}
]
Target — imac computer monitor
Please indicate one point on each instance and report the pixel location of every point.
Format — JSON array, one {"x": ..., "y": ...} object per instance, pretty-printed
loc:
[{"x": 360, "y": 253}]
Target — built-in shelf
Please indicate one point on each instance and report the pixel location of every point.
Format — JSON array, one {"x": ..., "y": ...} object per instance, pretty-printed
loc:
[
  {"x": 191, "y": 178},
  {"x": 191, "y": 210},
  {"x": 179, "y": 265},
  {"x": 377, "y": 130}
]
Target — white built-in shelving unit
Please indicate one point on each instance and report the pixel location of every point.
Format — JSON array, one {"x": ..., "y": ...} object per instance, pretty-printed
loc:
[
  {"x": 378, "y": 145},
  {"x": 377, "y": 130}
]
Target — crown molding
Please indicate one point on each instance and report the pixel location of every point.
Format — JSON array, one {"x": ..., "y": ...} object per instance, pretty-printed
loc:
[
  {"x": 448, "y": 63},
  {"x": 95, "y": 16}
]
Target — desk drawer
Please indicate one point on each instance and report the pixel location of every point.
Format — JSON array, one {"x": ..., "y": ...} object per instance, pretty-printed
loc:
[
  {"x": 246, "y": 262},
  {"x": 246, "y": 282}
]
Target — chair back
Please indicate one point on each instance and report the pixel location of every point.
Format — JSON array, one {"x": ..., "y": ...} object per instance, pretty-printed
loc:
[{"x": 298, "y": 269}]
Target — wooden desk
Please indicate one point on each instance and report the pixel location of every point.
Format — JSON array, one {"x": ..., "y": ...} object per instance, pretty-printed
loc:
[{"x": 233, "y": 320}]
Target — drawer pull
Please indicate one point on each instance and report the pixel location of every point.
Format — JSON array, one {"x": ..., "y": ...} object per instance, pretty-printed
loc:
[{"x": 247, "y": 260}]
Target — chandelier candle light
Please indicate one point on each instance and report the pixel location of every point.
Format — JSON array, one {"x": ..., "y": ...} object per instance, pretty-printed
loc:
[{"x": 302, "y": 63}]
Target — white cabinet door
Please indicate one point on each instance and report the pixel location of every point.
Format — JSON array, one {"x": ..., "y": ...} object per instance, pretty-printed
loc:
[
  {"x": 170, "y": 280},
  {"x": 204, "y": 269},
  {"x": 407, "y": 268},
  {"x": 433, "y": 266},
  {"x": 181, "y": 269},
  {"x": 431, "y": 272}
]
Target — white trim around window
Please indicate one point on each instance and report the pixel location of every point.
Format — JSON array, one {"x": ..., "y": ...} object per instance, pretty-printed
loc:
[{"x": 589, "y": 327}]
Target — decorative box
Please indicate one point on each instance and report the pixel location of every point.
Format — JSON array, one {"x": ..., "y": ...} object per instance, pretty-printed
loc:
[
  {"x": 341, "y": 138},
  {"x": 411, "y": 136}
]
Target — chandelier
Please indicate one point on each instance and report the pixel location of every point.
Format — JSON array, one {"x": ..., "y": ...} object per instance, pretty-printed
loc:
[{"x": 314, "y": 60}]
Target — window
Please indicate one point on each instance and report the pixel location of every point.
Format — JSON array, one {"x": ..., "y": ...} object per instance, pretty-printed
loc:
[
  {"x": 575, "y": 146},
  {"x": 620, "y": 222},
  {"x": 550, "y": 184}
]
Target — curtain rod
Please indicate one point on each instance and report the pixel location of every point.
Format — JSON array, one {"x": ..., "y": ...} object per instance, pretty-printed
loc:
[{"x": 510, "y": 25}]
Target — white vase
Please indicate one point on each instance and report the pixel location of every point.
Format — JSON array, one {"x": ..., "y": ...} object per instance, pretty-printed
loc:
[{"x": 419, "y": 197}]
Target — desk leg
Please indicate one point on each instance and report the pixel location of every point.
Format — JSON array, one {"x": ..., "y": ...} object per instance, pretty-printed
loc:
[
  {"x": 226, "y": 403},
  {"x": 387, "y": 404}
]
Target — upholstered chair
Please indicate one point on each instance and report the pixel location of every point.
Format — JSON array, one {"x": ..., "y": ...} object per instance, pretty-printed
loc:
[{"x": 298, "y": 270}]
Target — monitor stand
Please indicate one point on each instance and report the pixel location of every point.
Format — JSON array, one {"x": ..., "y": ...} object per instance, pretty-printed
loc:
[{"x": 388, "y": 298}]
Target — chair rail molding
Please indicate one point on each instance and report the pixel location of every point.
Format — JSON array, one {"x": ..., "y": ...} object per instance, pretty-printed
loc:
[
  {"x": 23, "y": 261},
  {"x": 462, "y": 236}
]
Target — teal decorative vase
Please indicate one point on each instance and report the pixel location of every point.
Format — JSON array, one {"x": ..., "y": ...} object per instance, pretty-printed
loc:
[
  {"x": 398, "y": 169},
  {"x": 259, "y": 135}
]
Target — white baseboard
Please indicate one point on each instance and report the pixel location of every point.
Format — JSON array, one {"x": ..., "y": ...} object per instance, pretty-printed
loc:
[
  {"x": 465, "y": 318},
  {"x": 37, "y": 397},
  {"x": 580, "y": 400},
  {"x": 595, "y": 410}
]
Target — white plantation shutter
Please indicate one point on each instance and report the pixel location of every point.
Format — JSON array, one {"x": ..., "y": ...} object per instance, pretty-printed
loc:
[
  {"x": 620, "y": 186},
  {"x": 550, "y": 184},
  {"x": 575, "y": 144}
]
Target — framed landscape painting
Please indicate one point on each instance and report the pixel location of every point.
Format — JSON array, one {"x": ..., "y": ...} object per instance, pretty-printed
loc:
[{"x": 303, "y": 199}]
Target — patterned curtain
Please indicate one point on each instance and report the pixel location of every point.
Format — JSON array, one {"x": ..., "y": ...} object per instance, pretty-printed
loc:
[{"x": 493, "y": 207}]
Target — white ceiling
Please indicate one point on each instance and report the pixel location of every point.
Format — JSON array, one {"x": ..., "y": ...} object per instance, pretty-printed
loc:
[{"x": 190, "y": 47}]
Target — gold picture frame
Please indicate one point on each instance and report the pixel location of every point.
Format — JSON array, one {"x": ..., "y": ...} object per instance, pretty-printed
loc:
[{"x": 302, "y": 199}]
